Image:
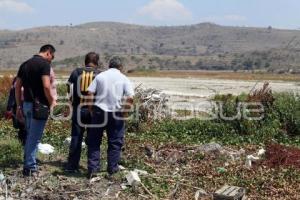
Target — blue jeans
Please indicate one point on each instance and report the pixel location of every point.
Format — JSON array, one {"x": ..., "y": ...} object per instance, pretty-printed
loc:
[
  {"x": 35, "y": 129},
  {"x": 115, "y": 129}
]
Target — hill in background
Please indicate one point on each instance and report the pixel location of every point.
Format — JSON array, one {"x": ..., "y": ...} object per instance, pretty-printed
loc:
[{"x": 201, "y": 46}]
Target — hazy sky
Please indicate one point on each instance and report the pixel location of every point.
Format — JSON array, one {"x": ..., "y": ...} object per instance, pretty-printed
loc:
[{"x": 20, "y": 14}]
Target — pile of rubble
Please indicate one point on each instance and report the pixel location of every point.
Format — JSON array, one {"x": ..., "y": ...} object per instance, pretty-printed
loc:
[{"x": 150, "y": 104}]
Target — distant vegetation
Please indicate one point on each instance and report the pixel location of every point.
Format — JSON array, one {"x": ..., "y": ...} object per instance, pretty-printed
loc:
[{"x": 196, "y": 47}]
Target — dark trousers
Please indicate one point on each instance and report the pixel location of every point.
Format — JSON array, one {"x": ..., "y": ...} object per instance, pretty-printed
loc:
[
  {"x": 22, "y": 134},
  {"x": 77, "y": 133},
  {"x": 115, "y": 129}
]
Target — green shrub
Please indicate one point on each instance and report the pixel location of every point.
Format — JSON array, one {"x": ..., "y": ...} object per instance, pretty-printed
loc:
[
  {"x": 287, "y": 108},
  {"x": 10, "y": 152},
  {"x": 61, "y": 90},
  {"x": 5, "y": 85},
  {"x": 56, "y": 132},
  {"x": 280, "y": 122},
  {"x": 3, "y": 104}
]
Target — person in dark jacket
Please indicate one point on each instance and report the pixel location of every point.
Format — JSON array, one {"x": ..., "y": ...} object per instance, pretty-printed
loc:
[
  {"x": 11, "y": 109},
  {"x": 79, "y": 81}
]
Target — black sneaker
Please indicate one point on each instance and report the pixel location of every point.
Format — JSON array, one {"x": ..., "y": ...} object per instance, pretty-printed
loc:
[
  {"x": 71, "y": 171},
  {"x": 68, "y": 168},
  {"x": 30, "y": 172},
  {"x": 91, "y": 175},
  {"x": 38, "y": 161}
]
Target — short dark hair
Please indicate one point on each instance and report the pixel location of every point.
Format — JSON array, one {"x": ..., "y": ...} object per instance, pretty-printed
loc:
[
  {"x": 116, "y": 62},
  {"x": 92, "y": 57},
  {"x": 47, "y": 47}
]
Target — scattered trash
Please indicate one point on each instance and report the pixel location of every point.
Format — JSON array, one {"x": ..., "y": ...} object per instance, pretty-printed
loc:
[
  {"x": 29, "y": 190},
  {"x": 149, "y": 151},
  {"x": 200, "y": 194},
  {"x": 140, "y": 172},
  {"x": 124, "y": 186},
  {"x": 153, "y": 104},
  {"x": 95, "y": 179},
  {"x": 230, "y": 193},
  {"x": 253, "y": 158},
  {"x": 233, "y": 154},
  {"x": 107, "y": 192},
  {"x": 215, "y": 148},
  {"x": 45, "y": 148},
  {"x": 133, "y": 178},
  {"x": 261, "y": 152},
  {"x": 210, "y": 148},
  {"x": 121, "y": 168},
  {"x": 5, "y": 198},
  {"x": 2, "y": 177},
  {"x": 67, "y": 142},
  {"x": 250, "y": 159},
  {"x": 170, "y": 156}
]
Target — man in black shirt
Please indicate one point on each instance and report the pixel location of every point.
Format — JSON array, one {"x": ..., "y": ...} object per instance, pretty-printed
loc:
[
  {"x": 34, "y": 77},
  {"x": 80, "y": 79}
]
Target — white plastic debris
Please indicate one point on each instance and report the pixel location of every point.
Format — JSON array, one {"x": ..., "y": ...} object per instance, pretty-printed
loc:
[
  {"x": 67, "y": 141},
  {"x": 121, "y": 168},
  {"x": 250, "y": 159},
  {"x": 45, "y": 149},
  {"x": 200, "y": 193},
  {"x": 2, "y": 177},
  {"x": 140, "y": 172},
  {"x": 133, "y": 178},
  {"x": 253, "y": 158},
  {"x": 123, "y": 186},
  {"x": 261, "y": 152},
  {"x": 95, "y": 179}
]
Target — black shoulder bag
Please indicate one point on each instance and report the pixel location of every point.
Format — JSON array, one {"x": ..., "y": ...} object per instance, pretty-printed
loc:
[{"x": 40, "y": 111}]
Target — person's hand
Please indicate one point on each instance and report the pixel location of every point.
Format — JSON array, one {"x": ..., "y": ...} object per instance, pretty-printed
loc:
[
  {"x": 19, "y": 115},
  {"x": 8, "y": 115},
  {"x": 125, "y": 114},
  {"x": 54, "y": 103}
]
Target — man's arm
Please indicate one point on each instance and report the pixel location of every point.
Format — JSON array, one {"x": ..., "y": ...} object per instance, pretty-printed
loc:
[
  {"x": 18, "y": 94},
  {"x": 11, "y": 102},
  {"x": 47, "y": 90},
  {"x": 127, "y": 105},
  {"x": 73, "y": 77},
  {"x": 128, "y": 97},
  {"x": 91, "y": 93}
]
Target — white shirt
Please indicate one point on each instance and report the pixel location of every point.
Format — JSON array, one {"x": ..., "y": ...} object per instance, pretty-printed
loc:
[{"x": 110, "y": 87}]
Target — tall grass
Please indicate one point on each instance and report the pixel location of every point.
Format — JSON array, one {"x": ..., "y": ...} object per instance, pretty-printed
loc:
[{"x": 5, "y": 85}]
